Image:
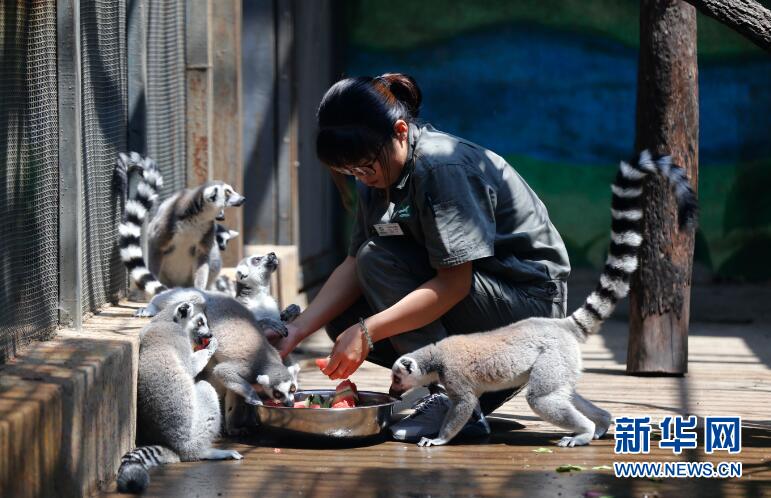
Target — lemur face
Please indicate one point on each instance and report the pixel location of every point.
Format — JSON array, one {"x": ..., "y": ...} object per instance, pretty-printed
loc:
[
  {"x": 193, "y": 321},
  {"x": 405, "y": 374},
  {"x": 278, "y": 390},
  {"x": 255, "y": 271},
  {"x": 221, "y": 195},
  {"x": 223, "y": 236}
]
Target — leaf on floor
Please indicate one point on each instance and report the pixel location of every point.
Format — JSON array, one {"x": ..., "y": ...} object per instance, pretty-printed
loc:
[
  {"x": 602, "y": 467},
  {"x": 543, "y": 450},
  {"x": 569, "y": 468}
]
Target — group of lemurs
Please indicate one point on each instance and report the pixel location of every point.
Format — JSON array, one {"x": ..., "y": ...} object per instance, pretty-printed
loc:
[
  {"x": 184, "y": 387},
  {"x": 181, "y": 392}
]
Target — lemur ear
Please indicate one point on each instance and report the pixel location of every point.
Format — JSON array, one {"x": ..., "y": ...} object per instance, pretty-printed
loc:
[
  {"x": 263, "y": 380},
  {"x": 182, "y": 311},
  {"x": 211, "y": 193},
  {"x": 294, "y": 370},
  {"x": 407, "y": 363},
  {"x": 233, "y": 234}
]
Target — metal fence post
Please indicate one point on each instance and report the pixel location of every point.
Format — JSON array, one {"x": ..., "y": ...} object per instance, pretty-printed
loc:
[{"x": 70, "y": 164}]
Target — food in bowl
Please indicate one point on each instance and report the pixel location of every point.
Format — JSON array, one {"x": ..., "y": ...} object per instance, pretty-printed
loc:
[{"x": 345, "y": 396}]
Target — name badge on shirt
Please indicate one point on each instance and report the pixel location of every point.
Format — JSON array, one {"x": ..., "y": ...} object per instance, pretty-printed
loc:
[{"x": 388, "y": 229}]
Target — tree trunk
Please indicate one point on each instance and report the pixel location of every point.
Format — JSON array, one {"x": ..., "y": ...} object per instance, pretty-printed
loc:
[
  {"x": 667, "y": 123},
  {"x": 747, "y": 17}
]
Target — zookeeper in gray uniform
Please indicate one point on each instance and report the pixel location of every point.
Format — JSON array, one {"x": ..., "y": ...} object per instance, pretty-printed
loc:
[{"x": 447, "y": 239}]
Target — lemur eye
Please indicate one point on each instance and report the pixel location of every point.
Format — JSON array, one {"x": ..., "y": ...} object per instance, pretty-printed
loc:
[
  {"x": 292, "y": 389},
  {"x": 278, "y": 394},
  {"x": 213, "y": 196},
  {"x": 228, "y": 192},
  {"x": 256, "y": 260},
  {"x": 200, "y": 322}
]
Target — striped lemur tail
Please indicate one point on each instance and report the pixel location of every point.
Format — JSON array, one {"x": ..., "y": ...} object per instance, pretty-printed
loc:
[
  {"x": 132, "y": 473},
  {"x": 626, "y": 236},
  {"x": 134, "y": 215}
]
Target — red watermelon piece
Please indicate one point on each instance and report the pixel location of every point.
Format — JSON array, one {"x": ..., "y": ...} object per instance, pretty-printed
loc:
[
  {"x": 346, "y": 392},
  {"x": 201, "y": 344},
  {"x": 322, "y": 363},
  {"x": 343, "y": 404}
]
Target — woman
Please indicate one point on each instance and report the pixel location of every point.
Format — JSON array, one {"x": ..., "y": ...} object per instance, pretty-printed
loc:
[{"x": 448, "y": 238}]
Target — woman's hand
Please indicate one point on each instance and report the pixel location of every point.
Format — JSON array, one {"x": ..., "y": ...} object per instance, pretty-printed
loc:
[
  {"x": 348, "y": 354},
  {"x": 286, "y": 345}
]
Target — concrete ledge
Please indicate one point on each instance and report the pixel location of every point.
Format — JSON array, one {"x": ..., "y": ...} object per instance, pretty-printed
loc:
[{"x": 68, "y": 408}]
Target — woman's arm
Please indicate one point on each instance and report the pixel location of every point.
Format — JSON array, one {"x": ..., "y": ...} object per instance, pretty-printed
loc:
[
  {"x": 338, "y": 293},
  {"x": 423, "y": 305},
  {"x": 418, "y": 308}
]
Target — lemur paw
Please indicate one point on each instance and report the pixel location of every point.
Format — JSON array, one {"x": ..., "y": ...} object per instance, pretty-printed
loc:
[
  {"x": 233, "y": 455},
  {"x": 212, "y": 346},
  {"x": 267, "y": 324},
  {"x": 425, "y": 442},
  {"x": 143, "y": 313},
  {"x": 290, "y": 313},
  {"x": 580, "y": 440}
]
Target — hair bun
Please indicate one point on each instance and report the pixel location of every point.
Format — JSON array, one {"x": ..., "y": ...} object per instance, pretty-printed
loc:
[{"x": 405, "y": 89}]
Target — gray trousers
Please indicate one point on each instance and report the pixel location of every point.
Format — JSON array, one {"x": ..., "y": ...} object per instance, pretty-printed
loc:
[{"x": 389, "y": 268}]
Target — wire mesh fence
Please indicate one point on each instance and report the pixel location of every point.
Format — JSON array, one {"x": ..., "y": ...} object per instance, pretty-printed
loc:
[
  {"x": 165, "y": 89},
  {"x": 30, "y": 132},
  {"x": 104, "y": 118},
  {"x": 29, "y": 179}
]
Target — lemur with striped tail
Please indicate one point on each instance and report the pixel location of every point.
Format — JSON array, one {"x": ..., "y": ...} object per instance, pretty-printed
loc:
[
  {"x": 182, "y": 248},
  {"x": 177, "y": 416},
  {"x": 544, "y": 352}
]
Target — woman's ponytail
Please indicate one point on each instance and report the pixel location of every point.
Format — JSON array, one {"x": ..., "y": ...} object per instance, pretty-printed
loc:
[{"x": 405, "y": 89}]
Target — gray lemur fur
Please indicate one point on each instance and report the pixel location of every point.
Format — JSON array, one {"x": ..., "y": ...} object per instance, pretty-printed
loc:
[
  {"x": 178, "y": 416},
  {"x": 244, "y": 359},
  {"x": 182, "y": 248},
  {"x": 544, "y": 352}
]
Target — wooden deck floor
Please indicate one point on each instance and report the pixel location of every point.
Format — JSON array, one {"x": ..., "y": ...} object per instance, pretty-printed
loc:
[{"x": 729, "y": 374}]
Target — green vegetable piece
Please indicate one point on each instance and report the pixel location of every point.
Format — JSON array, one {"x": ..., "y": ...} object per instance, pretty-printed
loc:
[
  {"x": 569, "y": 468},
  {"x": 543, "y": 450}
]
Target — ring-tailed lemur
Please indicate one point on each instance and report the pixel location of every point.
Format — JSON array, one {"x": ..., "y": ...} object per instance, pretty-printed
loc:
[
  {"x": 181, "y": 235},
  {"x": 544, "y": 352},
  {"x": 244, "y": 359},
  {"x": 222, "y": 283},
  {"x": 178, "y": 417},
  {"x": 253, "y": 291}
]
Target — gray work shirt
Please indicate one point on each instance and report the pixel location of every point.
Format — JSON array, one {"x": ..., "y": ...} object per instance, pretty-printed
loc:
[{"x": 464, "y": 203}]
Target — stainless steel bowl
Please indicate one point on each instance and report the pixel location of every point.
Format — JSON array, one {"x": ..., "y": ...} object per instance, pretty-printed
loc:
[{"x": 369, "y": 419}]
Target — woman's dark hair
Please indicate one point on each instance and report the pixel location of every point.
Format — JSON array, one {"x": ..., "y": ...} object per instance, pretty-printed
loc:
[{"x": 356, "y": 118}]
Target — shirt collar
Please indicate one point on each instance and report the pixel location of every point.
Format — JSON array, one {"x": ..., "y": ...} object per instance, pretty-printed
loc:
[{"x": 413, "y": 137}]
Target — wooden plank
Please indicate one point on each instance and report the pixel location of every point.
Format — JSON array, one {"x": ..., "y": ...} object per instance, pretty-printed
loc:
[
  {"x": 285, "y": 121},
  {"x": 318, "y": 207},
  {"x": 200, "y": 95},
  {"x": 226, "y": 111},
  {"x": 259, "y": 141}
]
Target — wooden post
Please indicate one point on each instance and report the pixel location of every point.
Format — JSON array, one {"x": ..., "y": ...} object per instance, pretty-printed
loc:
[
  {"x": 199, "y": 101},
  {"x": 667, "y": 122},
  {"x": 226, "y": 111}
]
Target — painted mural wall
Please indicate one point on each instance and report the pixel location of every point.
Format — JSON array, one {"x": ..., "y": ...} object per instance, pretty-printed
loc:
[{"x": 550, "y": 85}]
